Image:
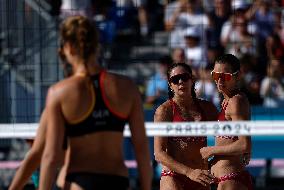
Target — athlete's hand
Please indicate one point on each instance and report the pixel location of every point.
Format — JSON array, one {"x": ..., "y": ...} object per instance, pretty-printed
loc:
[
  {"x": 206, "y": 152},
  {"x": 201, "y": 176}
]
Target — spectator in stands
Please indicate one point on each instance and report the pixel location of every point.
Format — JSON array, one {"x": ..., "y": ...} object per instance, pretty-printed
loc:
[
  {"x": 104, "y": 22},
  {"x": 239, "y": 41},
  {"x": 250, "y": 79},
  {"x": 171, "y": 11},
  {"x": 274, "y": 47},
  {"x": 239, "y": 9},
  {"x": 207, "y": 5},
  {"x": 124, "y": 8},
  {"x": 174, "y": 25},
  {"x": 195, "y": 54},
  {"x": 178, "y": 55},
  {"x": 90, "y": 108},
  {"x": 185, "y": 15},
  {"x": 231, "y": 153},
  {"x": 278, "y": 24},
  {"x": 212, "y": 53},
  {"x": 252, "y": 89},
  {"x": 271, "y": 88},
  {"x": 261, "y": 14},
  {"x": 76, "y": 7},
  {"x": 182, "y": 164},
  {"x": 157, "y": 87},
  {"x": 155, "y": 14},
  {"x": 205, "y": 87},
  {"x": 188, "y": 12},
  {"x": 216, "y": 18}
]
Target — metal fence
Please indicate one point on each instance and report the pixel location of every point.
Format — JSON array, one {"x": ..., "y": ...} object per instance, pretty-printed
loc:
[{"x": 28, "y": 60}]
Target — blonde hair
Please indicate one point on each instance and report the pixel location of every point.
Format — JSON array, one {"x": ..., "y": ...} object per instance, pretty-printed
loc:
[{"x": 82, "y": 34}]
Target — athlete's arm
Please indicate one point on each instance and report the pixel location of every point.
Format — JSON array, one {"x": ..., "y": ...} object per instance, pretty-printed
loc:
[
  {"x": 164, "y": 114},
  {"x": 139, "y": 140},
  {"x": 32, "y": 160},
  {"x": 238, "y": 110},
  {"x": 54, "y": 140}
]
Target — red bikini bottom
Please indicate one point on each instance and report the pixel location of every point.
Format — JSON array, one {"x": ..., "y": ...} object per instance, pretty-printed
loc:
[
  {"x": 186, "y": 183},
  {"x": 243, "y": 177}
]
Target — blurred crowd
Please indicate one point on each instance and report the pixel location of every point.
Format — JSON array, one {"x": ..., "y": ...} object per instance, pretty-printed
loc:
[{"x": 198, "y": 32}]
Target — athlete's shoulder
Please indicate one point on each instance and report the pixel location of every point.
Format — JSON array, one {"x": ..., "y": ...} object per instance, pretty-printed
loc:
[
  {"x": 239, "y": 105},
  {"x": 164, "y": 112},
  {"x": 66, "y": 87},
  {"x": 117, "y": 75},
  {"x": 122, "y": 87},
  {"x": 239, "y": 99},
  {"x": 69, "y": 82}
]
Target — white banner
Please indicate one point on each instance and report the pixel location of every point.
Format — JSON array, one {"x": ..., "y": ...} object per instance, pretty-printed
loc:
[{"x": 236, "y": 128}]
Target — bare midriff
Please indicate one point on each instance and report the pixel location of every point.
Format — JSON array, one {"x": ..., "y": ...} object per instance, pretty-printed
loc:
[
  {"x": 96, "y": 153},
  {"x": 188, "y": 155},
  {"x": 223, "y": 165}
]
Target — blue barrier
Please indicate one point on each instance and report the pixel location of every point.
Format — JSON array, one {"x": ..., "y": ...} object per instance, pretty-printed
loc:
[
  {"x": 267, "y": 147},
  {"x": 262, "y": 113}
]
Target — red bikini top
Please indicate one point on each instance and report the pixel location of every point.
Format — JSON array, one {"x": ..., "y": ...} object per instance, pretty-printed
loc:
[
  {"x": 178, "y": 118},
  {"x": 222, "y": 117}
]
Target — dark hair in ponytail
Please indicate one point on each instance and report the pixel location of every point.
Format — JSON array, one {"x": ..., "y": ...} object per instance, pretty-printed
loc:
[{"x": 189, "y": 70}]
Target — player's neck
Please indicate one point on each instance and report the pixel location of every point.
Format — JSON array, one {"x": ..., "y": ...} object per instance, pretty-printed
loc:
[{"x": 184, "y": 101}]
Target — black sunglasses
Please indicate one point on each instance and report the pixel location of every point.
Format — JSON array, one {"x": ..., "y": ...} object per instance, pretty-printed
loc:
[{"x": 184, "y": 77}]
